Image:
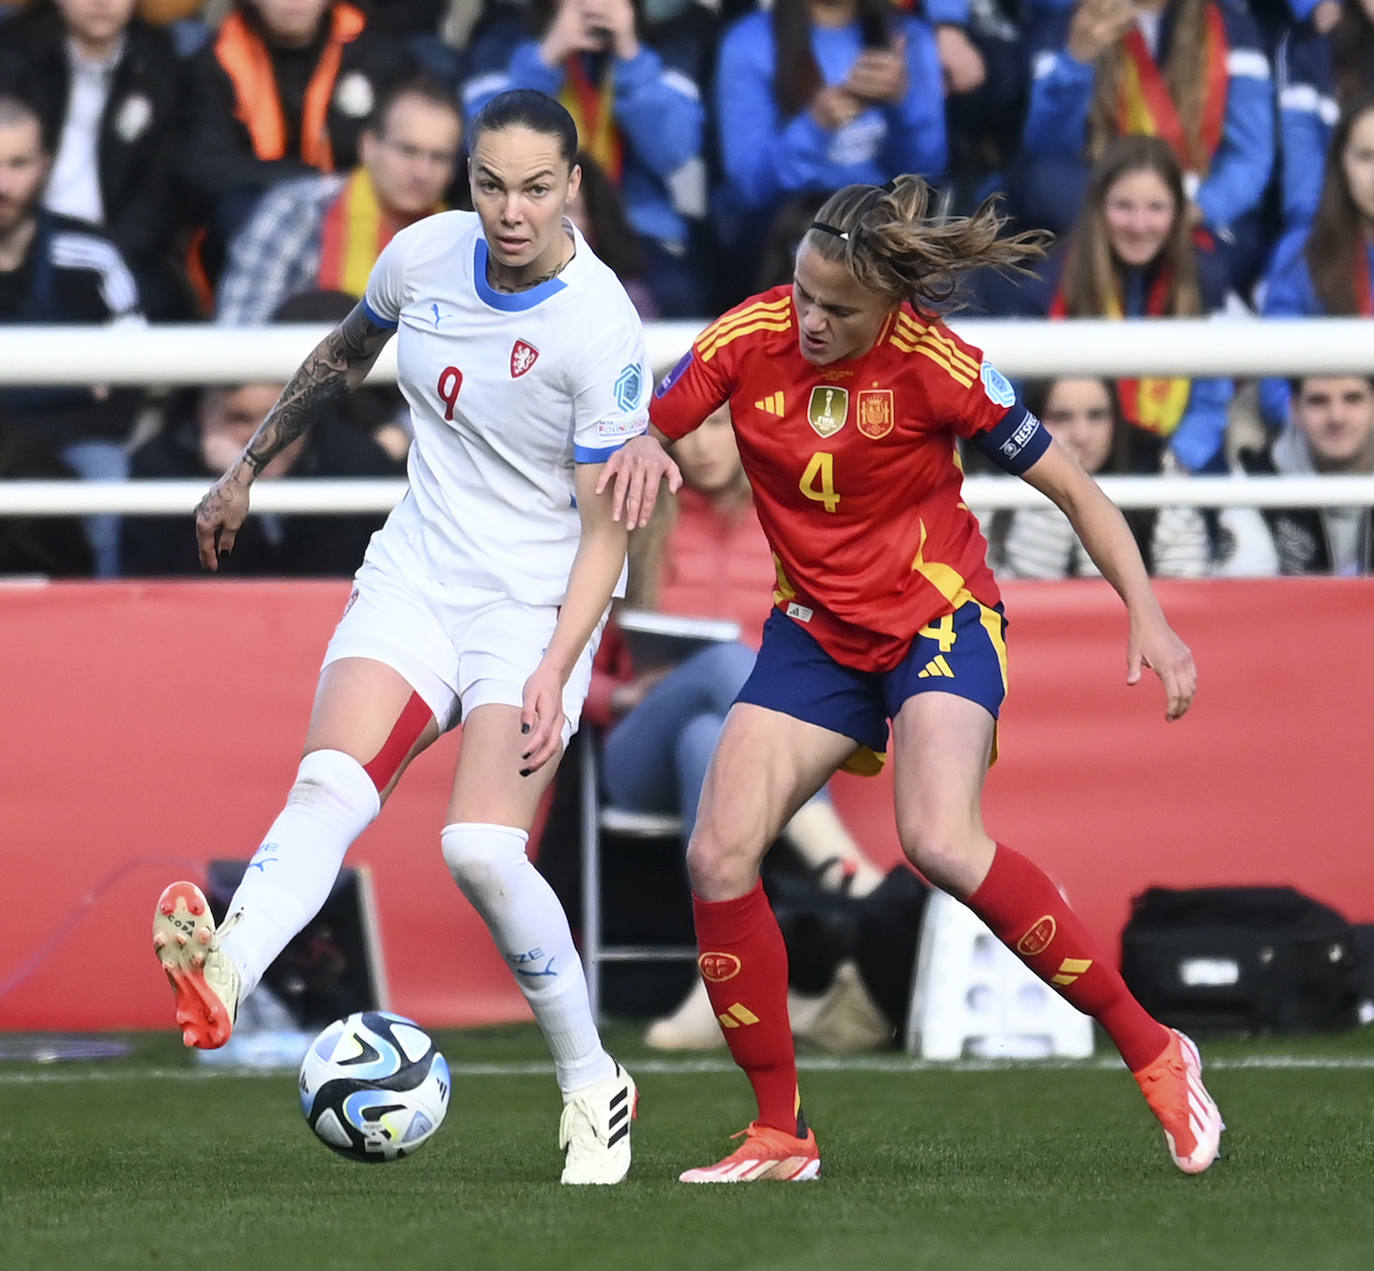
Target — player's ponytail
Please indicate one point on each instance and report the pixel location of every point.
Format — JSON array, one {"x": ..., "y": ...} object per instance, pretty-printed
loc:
[{"x": 896, "y": 248}]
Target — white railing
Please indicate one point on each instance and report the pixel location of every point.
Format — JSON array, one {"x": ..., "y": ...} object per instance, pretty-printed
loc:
[{"x": 177, "y": 355}]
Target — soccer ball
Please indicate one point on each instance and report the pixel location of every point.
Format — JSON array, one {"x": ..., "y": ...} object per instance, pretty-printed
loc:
[{"x": 373, "y": 1086}]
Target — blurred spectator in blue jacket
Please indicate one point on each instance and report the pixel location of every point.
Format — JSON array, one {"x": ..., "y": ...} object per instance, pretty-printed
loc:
[
  {"x": 285, "y": 88},
  {"x": 1327, "y": 268},
  {"x": 1191, "y": 71},
  {"x": 819, "y": 94},
  {"x": 54, "y": 269},
  {"x": 632, "y": 84},
  {"x": 1321, "y": 65},
  {"x": 982, "y": 53},
  {"x": 106, "y": 86},
  {"x": 327, "y": 230}
]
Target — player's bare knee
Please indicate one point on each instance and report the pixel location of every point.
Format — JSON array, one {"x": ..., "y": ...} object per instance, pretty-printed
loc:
[
  {"x": 951, "y": 857},
  {"x": 718, "y": 869}
]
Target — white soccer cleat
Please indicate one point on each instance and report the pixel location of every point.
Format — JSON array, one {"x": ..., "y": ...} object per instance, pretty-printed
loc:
[
  {"x": 204, "y": 981},
  {"x": 1173, "y": 1088},
  {"x": 595, "y": 1130}
]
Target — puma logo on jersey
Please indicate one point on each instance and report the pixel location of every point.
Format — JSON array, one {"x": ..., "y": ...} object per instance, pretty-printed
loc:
[
  {"x": 522, "y": 356},
  {"x": 438, "y": 317},
  {"x": 771, "y": 405}
]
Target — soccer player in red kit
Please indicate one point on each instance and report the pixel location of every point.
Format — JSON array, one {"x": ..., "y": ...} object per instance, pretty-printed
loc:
[{"x": 848, "y": 398}]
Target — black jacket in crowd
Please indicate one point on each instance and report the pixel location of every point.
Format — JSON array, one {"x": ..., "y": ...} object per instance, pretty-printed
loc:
[{"x": 137, "y": 148}]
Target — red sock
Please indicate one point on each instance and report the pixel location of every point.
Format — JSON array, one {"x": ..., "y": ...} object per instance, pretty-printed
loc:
[
  {"x": 1027, "y": 913},
  {"x": 744, "y": 964}
]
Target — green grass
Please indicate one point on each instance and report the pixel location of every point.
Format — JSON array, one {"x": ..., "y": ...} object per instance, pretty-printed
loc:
[{"x": 143, "y": 1162}]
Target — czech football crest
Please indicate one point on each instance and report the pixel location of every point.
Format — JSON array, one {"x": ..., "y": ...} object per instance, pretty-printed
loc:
[
  {"x": 522, "y": 357},
  {"x": 876, "y": 415},
  {"x": 828, "y": 409}
]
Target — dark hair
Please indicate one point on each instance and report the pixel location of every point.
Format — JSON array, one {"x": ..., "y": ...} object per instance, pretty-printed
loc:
[
  {"x": 1091, "y": 278},
  {"x": 897, "y": 249},
  {"x": 1334, "y": 243},
  {"x": 19, "y": 110},
  {"x": 1035, "y": 396},
  {"x": 425, "y": 88},
  {"x": 1296, "y": 382},
  {"x": 797, "y": 76},
  {"x": 778, "y": 254},
  {"x": 528, "y": 108},
  {"x": 1185, "y": 75},
  {"x": 1352, "y": 49},
  {"x": 611, "y": 235}
]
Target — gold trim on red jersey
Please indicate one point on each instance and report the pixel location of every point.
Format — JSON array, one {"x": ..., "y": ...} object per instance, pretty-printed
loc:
[
  {"x": 911, "y": 336},
  {"x": 766, "y": 315}
]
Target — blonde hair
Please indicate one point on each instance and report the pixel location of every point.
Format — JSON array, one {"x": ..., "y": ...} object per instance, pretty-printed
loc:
[{"x": 896, "y": 247}]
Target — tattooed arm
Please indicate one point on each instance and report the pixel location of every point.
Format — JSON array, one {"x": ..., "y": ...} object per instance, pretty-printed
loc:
[{"x": 336, "y": 366}]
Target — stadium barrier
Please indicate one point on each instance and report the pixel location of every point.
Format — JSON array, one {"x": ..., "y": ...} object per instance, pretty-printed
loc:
[
  {"x": 154, "y": 727},
  {"x": 179, "y": 355}
]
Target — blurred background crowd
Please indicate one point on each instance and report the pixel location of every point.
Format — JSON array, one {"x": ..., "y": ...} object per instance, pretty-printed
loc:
[{"x": 244, "y": 161}]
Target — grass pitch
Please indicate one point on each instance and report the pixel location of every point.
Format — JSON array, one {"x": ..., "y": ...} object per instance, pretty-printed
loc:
[{"x": 149, "y": 1162}]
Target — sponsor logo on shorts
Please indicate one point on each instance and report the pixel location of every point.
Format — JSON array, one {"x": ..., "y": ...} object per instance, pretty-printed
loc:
[
  {"x": 352, "y": 600},
  {"x": 522, "y": 356},
  {"x": 996, "y": 385},
  {"x": 1038, "y": 938},
  {"x": 719, "y": 967},
  {"x": 800, "y": 612}
]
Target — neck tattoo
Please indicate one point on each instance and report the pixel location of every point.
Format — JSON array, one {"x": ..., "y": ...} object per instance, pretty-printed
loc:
[{"x": 500, "y": 285}]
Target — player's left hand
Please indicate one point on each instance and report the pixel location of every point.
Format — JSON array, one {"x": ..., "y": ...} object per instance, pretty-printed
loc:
[
  {"x": 634, "y": 472},
  {"x": 541, "y": 719},
  {"x": 1155, "y": 644}
]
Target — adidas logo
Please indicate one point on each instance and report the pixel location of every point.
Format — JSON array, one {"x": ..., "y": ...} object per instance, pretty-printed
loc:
[
  {"x": 935, "y": 667},
  {"x": 738, "y": 1015},
  {"x": 772, "y": 404},
  {"x": 1069, "y": 970}
]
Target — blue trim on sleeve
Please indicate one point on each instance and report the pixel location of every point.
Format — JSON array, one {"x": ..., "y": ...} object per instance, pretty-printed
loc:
[
  {"x": 1016, "y": 442},
  {"x": 377, "y": 318},
  {"x": 598, "y": 454},
  {"x": 508, "y": 302}
]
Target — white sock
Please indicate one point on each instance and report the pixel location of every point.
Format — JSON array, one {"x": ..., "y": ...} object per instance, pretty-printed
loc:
[
  {"x": 531, "y": 930},
  {"x": 289, "y": 878}
]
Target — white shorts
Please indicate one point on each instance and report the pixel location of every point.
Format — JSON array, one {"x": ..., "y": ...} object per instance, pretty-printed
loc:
[{"x": 457, "y": 654}]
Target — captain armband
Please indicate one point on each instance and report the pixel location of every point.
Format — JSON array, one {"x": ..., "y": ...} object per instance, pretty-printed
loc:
[{"x": 1016, "y": 442}]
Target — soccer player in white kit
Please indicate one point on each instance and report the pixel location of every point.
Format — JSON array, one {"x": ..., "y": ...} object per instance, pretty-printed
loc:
[{"x": 482, "y": 598}]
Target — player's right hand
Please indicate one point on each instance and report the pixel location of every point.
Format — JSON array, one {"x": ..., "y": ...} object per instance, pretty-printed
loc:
[{"x": 220, "y": 515}]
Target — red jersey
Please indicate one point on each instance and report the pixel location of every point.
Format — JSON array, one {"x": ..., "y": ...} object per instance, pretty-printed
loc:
[{"x": 856, "y": 476}]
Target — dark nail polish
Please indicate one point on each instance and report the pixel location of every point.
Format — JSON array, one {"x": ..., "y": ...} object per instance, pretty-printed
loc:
[
  {"x": 524, "y": 772},
  {"x": 524, "y": 728}
]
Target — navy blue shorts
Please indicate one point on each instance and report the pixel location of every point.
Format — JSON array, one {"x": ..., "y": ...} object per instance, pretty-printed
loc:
[{"x": 964, "y": 653}]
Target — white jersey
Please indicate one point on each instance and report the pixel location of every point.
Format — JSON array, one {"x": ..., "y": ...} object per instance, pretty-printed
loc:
[{"x": 507, "y": 392}]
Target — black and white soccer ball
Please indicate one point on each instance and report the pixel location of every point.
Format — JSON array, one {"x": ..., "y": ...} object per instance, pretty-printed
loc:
[{"x": 374, "y": 1087}]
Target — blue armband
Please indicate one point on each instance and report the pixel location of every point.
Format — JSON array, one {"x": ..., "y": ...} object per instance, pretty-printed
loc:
[{"x": 1016, "y": 442}]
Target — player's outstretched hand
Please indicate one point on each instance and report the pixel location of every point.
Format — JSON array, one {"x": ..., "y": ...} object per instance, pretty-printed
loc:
[
  {"x": 634, "y": 473},
  {"x": 219, "y": 517},
  {"x": 1156, "y": 645},
  {"x": 541, "y": 719}
]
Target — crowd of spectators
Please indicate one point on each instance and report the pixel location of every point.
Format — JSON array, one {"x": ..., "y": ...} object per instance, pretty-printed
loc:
[{"x": 218, "y": 160}]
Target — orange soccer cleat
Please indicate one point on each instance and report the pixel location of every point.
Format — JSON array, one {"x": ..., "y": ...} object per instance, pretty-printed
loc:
[
  {"x": 204, "y": 980},
  {"x": 1172, "y": 1086},
  {"x": 766, "y": 1156}
]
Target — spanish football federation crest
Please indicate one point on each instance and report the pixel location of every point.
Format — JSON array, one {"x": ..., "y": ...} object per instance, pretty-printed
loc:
[
  {"x": 828, "y": 409},
  {"x": 522, "y": 357},
  {"x": 876, "y": 415}
]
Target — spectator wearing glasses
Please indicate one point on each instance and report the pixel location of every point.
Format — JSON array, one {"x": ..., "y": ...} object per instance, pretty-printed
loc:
[{"x": 326, "y": 231}]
